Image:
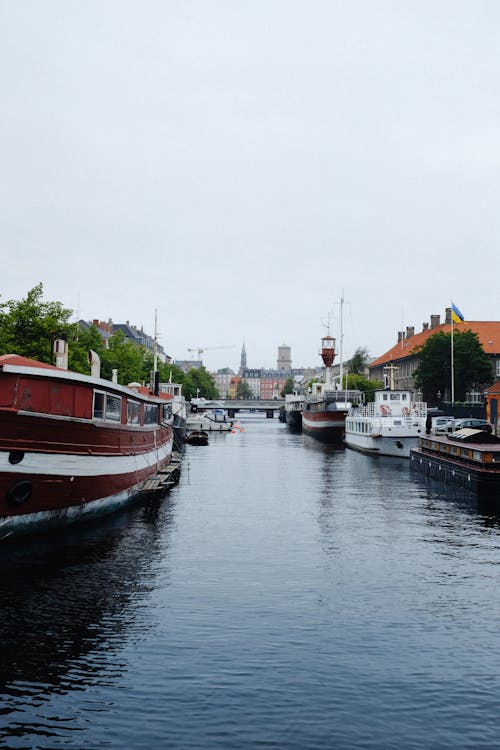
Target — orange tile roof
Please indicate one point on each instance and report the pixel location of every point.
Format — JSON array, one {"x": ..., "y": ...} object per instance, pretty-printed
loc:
[
  {"x": 488, "y": 333},
  {"x": 494, "y": 389}
]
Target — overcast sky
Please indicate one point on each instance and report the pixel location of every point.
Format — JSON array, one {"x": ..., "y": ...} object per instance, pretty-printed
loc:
[{"x": 238, "y": 165}]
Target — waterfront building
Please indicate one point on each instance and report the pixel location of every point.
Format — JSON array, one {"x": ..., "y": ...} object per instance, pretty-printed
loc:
[
  {"x": 492, "y": 403},
  {"x": 222, "y": 380},
  {"x": 272, "y": 383},
  {"x": 252, "y": 377},
  {"x": 403, "y": 356}
]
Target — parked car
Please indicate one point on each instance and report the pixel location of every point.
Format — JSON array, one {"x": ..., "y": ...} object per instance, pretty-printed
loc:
[
  {"x": 441, "y": 425},
  {"x": 474, "y": 424}
]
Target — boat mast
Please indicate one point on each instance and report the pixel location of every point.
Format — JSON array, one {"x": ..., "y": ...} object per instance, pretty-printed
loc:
[
  {"x": 341, "y": 340},
  {"x": 156, "y": 386},
  {"x": 155, "y": 345},
  {"x": 328, "y": 355}
]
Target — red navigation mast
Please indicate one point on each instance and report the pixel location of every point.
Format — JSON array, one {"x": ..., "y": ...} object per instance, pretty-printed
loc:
[{"x": 328, "y": 350}]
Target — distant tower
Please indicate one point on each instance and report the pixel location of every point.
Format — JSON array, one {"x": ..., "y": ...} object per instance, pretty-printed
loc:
[
  {"x": 243, "y": 361},
  {"x": 284, "y": 358}
]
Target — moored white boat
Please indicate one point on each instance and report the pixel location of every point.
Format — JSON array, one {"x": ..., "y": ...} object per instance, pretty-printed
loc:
[
  {"x": 390, "y": 425},
  {"x": 73, "y": 447},
  {"x": 209, "y": 416}
]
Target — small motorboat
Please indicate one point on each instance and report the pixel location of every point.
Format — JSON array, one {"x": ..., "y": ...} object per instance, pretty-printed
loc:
[{"x": 197, "y": 437}]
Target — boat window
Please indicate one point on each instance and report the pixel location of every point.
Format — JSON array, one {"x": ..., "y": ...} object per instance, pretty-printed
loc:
[
  {"x": 394, "y": 396},
  {"x": 113, "y": 408},
  {"x": 150, "y": 414},
  {"x": 133, "y": 412},
  {"x": 397, "y": 422},
  {"x": 404, "y": 397},
  {"x": 384, "y": 396},
  {"x": 98, "y": 410},
  {"x": 167, "y": 412}
]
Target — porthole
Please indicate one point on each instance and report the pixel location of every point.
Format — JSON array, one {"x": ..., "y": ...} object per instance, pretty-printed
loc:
[
  {"x": 15, "y": 457},
  {"x": 20, "y": 492}
]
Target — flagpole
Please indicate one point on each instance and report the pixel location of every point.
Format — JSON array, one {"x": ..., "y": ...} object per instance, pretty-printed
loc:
[{"x": 452, "y": 369}]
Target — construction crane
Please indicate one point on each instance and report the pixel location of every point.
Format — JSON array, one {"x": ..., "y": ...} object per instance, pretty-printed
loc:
[{"x": 201, "y": 349}]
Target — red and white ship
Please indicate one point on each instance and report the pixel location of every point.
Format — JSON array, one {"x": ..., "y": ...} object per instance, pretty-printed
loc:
[
  {"x": 73, "y": 447},
  {"x": 326, "y": 407}
]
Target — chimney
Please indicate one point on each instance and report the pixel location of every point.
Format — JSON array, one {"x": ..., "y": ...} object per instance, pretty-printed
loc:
[
  {"x": 95, "y": 363},
  {"x": 425, "y": 327},
  {"x": 95, "y": 323},
  {"x": 447, "y": 315},
  {"x": 61, "y": 353},
  {"x": 435, "y": 321},
  {"x": 410, "y": 330},
  {"x": 401, "y": 335}
]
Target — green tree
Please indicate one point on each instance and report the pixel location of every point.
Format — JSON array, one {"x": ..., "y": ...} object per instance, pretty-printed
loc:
[
  {"x": 124, "y": 356},
  {"x": 361, "y": 383},
  {"x": 198, "y": 383},
  {"x": 170, "y": 373},
  {"x": 30, "y": 326},
  {"x": 243, "y": 390},
  {"x": 471, "y": 365},
  {"x": 86, "y": 339},
  {"x": 358, "y": 363},
  {"x": 288, "y": 387}
]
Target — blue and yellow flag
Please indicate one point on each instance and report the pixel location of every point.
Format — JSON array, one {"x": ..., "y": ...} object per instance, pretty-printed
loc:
[{"x": 456, "y": 315}]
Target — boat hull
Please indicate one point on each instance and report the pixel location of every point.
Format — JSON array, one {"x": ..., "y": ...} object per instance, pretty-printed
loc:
[
  {"x": 63, "y": 459},
  {"x": 397, "y": 446},
  {"x": 326, "y": 426},
  {"x": 49, "y": 490},
  {"x": 481, "y": 481},
  {"x": 294, "y": 420},
  {"x": 199, "y": 422}
]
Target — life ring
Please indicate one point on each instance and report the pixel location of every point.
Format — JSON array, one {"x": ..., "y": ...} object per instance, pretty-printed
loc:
[
  {"x": 406, "y": 411},
  {"x": 385, "y": 410}
]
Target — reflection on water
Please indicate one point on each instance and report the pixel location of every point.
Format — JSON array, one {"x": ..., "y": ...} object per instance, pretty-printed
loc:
[
  {"x": 68, "y": 602},
  {"x": 287, "y": 594}
]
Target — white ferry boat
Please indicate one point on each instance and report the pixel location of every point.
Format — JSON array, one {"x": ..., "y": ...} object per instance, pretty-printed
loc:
[{"x": 389, "y": 426}]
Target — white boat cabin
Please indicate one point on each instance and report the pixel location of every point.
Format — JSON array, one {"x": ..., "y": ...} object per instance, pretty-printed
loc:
[{"x": 397, "y": 404}]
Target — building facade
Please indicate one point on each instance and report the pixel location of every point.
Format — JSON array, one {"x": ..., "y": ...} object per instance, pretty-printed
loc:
[{"x": 401, "y": 361}]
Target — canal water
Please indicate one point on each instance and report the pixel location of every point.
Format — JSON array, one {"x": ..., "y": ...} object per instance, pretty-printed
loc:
[{"x": 284, "y": 595}]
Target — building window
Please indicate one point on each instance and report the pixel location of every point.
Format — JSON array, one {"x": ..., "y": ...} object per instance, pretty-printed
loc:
[{"x": 497, "y": 368}]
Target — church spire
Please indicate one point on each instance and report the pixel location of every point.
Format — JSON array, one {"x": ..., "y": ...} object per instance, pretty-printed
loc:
[{"x": 243, "y": 361}]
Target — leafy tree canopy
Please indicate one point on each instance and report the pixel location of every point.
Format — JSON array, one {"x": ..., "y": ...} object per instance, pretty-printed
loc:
[
  {"x": 361, "y": 383},
  {"x": 359, "y": 361},
  {"x": 198, "y": 383},
  {"x": 125, "y": 357},
  {"x": 30, "y": 326},
  {"x": 471, "y": 365},
  {"x": 288, "y": 387},
  {"x": 243, "y": 390}
]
